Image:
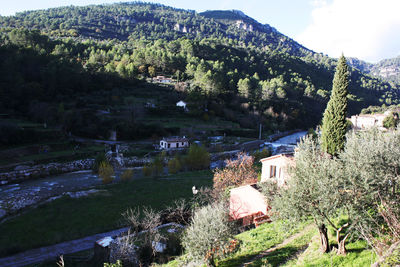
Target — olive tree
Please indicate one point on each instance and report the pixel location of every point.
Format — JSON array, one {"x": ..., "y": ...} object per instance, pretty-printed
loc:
[
  {"x": 208, "y": 233},
  {"x": 361, "y": 183},
  {"x": 371, "y": 164},
  {"x": 313, "y": 190}
]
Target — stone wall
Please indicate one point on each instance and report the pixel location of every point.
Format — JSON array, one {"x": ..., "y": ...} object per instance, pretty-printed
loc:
[{"x": 22, "y": 173}]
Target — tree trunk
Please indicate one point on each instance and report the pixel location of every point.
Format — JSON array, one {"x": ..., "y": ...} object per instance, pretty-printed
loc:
[
  {"x": 211, "y": 261},
  {"x": 341, "y": 243},
  {"x": 342, "y": 248},
  {"x": 323, "y": 234}
]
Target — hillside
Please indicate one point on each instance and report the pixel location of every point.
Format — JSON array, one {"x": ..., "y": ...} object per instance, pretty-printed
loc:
[
  {"x": 84, "y": 59},
  {"x": 152, "y": 21},
  {"x": 386, "y": 69}
]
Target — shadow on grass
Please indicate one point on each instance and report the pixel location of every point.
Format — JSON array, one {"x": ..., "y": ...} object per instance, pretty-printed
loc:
[
  {"x": 280, "y": 256},
  {"x": 355, "y": 250},
  {"x": 236, "y": 261},
  {"x": 349, "y": 250}
]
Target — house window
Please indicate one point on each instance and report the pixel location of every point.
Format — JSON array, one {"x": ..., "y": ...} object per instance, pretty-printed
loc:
[
  {"x": 272, "y": 171},
  {"x": 182, "y": 143},
  {"x": 177, "y": 144},
  {"x": 169, "y": 145}
]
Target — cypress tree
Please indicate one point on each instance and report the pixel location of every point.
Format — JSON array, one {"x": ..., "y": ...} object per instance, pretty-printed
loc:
[{"x": 334, "y": 123}]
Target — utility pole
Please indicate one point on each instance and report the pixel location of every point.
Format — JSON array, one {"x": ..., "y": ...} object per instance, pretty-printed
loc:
[{"x": 259, "y": 135}]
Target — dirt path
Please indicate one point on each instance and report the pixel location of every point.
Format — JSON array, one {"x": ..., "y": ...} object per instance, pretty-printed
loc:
[
  {"x": 284, "y": 243},
  {"x": 52, "y": 252}
]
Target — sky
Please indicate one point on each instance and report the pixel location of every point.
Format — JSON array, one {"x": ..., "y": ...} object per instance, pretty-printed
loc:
[{"x": 366, "y": 29}]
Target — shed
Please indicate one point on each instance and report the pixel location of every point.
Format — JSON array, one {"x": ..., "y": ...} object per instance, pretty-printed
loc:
[{"x": 248, "y": 204}]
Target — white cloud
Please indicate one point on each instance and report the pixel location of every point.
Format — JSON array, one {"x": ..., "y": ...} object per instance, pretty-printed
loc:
[
  {"x": 367, "y": 29},
  {"x": 318, "y": 3}
]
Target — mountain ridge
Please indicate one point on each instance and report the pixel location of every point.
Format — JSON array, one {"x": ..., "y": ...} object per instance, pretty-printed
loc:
[{"x": 236, "y": 69}]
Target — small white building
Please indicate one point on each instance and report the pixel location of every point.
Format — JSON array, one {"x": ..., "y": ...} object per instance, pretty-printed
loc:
[
  {"x": 174, "y": 142},
  {"x": 181, "y": 104},
  {"x": 276, "y": 167},
  {"x": 162, "y": 79}
]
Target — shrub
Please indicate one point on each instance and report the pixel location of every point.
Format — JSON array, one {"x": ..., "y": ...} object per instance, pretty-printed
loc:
[
  {"x": 174, "y": 165},
  {"x": 147, "y": 222},
  {"x": 209, "y": 232},
  {"x": 391, "y": 121},
  {"x": 197, "y": 158},
  {"x": 101, "y": 157},
  {"x": 180, "y": 212},
  {"x": 158, "y": 166},
  {"x": 155, "y": 168},
  {"x": 236, "y": 172},
  {"x": 117, "y": 264},
  {"x": 147, "y": 170},
  {"x": 265, "y": 153},
  {"x": 106, "y": 171},
  {"x": 127, "y": 175}
]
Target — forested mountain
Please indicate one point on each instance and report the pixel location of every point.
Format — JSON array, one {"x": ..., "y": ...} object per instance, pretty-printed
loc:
[
  {"x": 387, "y": 69},
  {"x": 153, "y": 22},
  {"x": 233, "y": 66}
]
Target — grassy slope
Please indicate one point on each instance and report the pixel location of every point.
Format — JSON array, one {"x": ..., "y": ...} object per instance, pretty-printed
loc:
[
  {"x": 302, "y": 251},
  {"x": 255, "y": 241},
  {"x": 358, "y": 255},
  {"x": 67, "y": 219}
]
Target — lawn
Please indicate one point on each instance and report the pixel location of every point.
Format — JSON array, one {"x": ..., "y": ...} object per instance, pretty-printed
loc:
[{"x": 67, "y": 218}]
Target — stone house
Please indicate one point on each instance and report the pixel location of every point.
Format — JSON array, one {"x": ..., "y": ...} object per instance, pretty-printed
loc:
[
  {"x": 174, "y": 143},
  {"x": 275, "y": 167},
  {"x": 361, "y": 122}
]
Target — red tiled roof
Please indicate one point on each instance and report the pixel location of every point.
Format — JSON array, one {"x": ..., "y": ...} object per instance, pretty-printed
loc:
[{"x": 287, "y": 155}]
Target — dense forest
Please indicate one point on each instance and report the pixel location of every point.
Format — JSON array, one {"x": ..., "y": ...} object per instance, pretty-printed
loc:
[
  {"x": 60, "y": 65},
  {"x": 386, "y": 69}
]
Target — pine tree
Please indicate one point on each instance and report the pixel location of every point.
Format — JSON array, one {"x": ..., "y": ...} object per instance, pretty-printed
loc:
[{"x": 334, "y": 122}]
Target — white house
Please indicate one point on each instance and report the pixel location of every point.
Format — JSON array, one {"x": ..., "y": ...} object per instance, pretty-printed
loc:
[
  {"x": 174, "y": 142},
  {"x": 181, "y": 104},
  {"x": 275, "y": 168},
  {"x": 162, "y": 79}
]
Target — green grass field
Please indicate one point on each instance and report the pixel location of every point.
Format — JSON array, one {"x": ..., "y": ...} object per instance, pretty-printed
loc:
[{"x": 67, "y": 218}]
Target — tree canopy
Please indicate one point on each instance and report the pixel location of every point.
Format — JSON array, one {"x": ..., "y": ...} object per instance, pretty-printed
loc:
[{"x": 334, "y": 124}]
